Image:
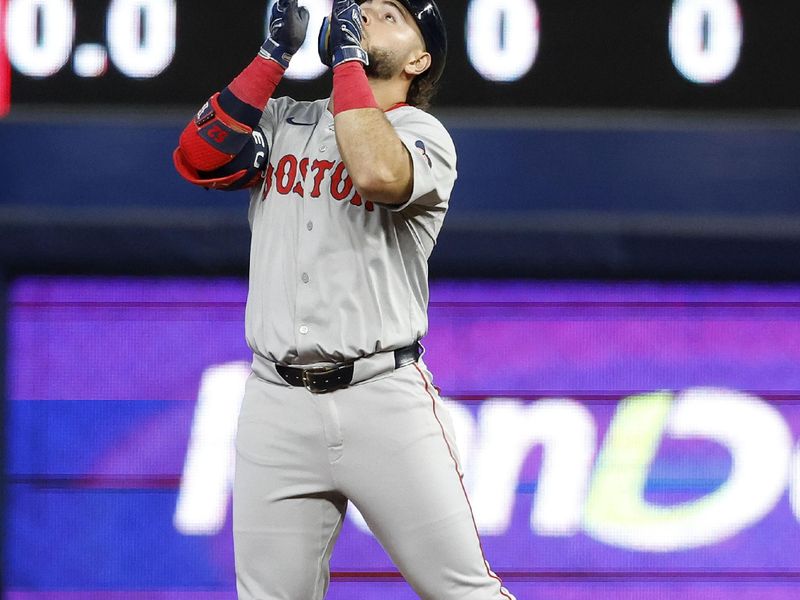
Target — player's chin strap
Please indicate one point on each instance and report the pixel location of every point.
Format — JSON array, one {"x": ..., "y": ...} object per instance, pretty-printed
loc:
[{"x": 324, "y": 380}]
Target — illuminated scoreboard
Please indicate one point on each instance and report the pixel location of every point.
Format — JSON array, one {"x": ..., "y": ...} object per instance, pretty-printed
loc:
[{"x": 673, "y": 54}]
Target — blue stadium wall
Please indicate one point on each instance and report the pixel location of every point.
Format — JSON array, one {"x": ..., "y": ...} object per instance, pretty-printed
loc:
[{"x": 615, "y": 196}]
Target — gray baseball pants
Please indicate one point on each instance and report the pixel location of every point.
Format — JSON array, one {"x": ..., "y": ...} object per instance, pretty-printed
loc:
[{"x": 387, "y": 446}]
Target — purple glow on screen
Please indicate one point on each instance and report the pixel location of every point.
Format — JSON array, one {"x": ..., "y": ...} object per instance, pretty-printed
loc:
[
  {"x": 622, "y": 590},
  {"x": 104, "y": 378}
]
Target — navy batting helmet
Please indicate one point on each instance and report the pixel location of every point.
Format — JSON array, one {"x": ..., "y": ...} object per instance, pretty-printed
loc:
[{"x": 429, "y": 20}]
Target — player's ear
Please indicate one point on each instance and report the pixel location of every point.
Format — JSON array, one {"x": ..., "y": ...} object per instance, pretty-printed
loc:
[{"x": 418, "y": 64}]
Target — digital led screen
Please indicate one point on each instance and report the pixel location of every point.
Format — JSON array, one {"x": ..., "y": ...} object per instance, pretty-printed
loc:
[
  {"x": 620, "y": 441},
  {"x": 688, "y": 54}
]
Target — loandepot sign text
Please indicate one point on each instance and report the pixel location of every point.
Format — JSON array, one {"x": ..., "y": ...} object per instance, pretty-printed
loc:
[{"x": 585, "y": 485}]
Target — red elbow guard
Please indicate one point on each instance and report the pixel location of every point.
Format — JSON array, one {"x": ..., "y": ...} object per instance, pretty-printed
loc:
[
  {"x": 191, "y": 174},
  {"x": 245, "y": 170},
  {"x": 213, "y": 137}
]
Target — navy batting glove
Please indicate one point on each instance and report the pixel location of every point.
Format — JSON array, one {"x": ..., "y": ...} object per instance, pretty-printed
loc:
[
  {"x": 288, "y": 24},
  {"x": 341, "y": 33}
]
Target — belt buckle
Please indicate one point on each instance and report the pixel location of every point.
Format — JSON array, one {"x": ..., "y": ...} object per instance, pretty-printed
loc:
[{"x": 309, "y": 385}]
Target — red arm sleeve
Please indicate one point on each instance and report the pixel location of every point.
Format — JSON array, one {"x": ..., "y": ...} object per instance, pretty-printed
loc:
[{"x": 224, "y": 125}]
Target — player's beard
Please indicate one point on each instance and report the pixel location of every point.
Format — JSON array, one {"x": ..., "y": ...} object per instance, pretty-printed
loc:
[{"x": 383, "y": 64}]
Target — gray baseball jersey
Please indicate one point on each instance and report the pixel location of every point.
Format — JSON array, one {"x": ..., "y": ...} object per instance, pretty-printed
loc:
[
  {"x": 332, "y": 276},
  {"x": 335, "y": 278}
]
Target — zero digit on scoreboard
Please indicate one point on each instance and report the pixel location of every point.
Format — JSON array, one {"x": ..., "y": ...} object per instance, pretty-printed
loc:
[{"x": 140, "y": 34}]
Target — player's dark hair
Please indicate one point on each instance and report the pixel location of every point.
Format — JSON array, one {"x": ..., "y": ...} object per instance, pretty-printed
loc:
[{"x": 422, "y": 92}]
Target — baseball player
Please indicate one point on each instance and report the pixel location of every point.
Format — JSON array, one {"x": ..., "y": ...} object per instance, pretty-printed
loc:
[{"x": 347, "y": 197}]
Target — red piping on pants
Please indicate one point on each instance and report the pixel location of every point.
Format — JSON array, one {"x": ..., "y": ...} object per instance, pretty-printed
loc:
[{"x": 461, "y": 481}]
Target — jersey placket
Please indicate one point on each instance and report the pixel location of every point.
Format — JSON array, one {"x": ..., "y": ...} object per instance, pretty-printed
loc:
[{"x": 321, "y": 145}]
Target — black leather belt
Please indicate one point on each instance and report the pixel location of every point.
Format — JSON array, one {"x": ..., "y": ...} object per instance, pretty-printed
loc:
[{"x": 329, "y": 379}]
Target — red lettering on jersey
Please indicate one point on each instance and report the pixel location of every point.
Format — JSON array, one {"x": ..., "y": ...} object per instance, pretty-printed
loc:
[
  {"x": 298, "y": 189},
  {"x": 285, "y": 174},
  {"x": 268, "y": 183},
  {"x": 358, "y": 201},
  {"x": 341, "y": 184},
  {"x": 321, "y": 167}
]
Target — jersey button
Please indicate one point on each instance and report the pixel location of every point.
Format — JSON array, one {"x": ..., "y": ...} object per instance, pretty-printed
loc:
[
  {"x": 304, "y": 330},
  {"x": 323, "y": 148},
  {"x": 305, "y": 278},
  {"x": 310, "y": 225}
]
